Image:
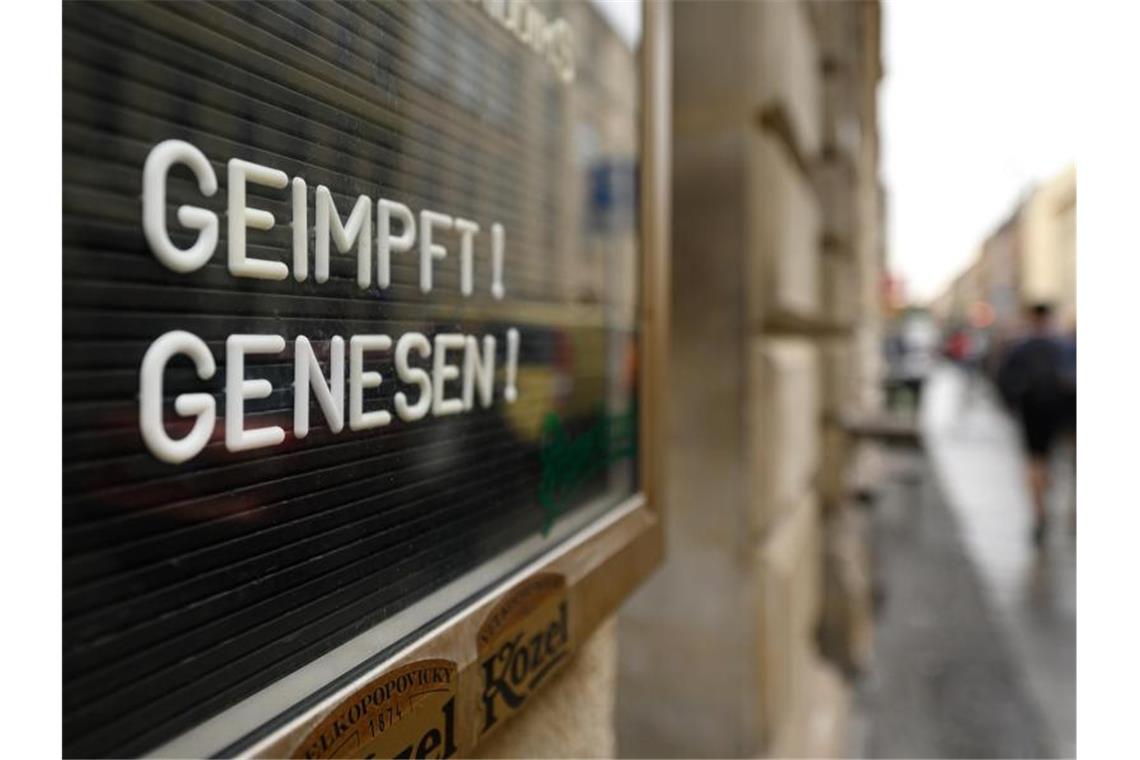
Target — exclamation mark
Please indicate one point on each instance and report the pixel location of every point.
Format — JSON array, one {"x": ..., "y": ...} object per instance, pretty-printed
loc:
[{"x": 511, "y": 392}]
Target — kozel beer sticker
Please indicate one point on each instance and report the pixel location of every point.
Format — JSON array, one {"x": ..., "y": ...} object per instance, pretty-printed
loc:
[
  {"x": 405, "y": 713},
  {"x": 524, "y": 641},
  {"x": 411, "y": 712}
]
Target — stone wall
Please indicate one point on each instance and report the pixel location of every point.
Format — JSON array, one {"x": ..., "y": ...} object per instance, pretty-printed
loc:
[{"x": 776, "y": 262}]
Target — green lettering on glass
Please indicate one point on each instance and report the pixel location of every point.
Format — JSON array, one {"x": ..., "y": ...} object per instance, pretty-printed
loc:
[{"x": 567, "y": 464}]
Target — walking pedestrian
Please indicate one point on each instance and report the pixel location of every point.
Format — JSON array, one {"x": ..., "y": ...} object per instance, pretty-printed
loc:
[{"x": 1033, "y": 381}]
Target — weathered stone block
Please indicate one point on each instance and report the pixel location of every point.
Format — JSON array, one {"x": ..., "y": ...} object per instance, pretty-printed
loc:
[
  {"x": 783, "y": 424},
  {"x": 818, "y": 724},
  {"x": 706, "y": 362},
  {"x": 871, "y": 365},
  {"x": 688, "y": 643},
  {"x": 784, "y": 267},
  {"x": 839, "y": 34},
  {"x": 717, "y": 85},
  {"x": 789, "y": 72},
  {"x": 834, "y": 463},
  {"x": 835, "y": 184},
  {"x": 839, "y": 375},
  {"x": 685, "y": 649},
  {"x": 847, "y": 620},
  {"x": 744, "y": 60},
  {"x": 837, "y": 31},
  {"x": 841, "y": 131},
  {"x": 841, "y": 290},
  {"x": 790, "y": 587}
]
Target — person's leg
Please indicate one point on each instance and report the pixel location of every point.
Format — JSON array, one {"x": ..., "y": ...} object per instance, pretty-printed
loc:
[
  {"x": 1038, "y": 487},
  {"x": 1039, "y": 427}
]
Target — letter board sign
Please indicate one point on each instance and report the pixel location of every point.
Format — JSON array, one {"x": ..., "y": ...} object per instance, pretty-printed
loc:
[{"x": 350, "y": 334}]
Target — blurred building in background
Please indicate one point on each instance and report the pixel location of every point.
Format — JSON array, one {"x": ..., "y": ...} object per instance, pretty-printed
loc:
[
  {"x": 1030, "y": 258},
  {"x": 739, "y": 645},
  {"x": 1050, "y": 259}
]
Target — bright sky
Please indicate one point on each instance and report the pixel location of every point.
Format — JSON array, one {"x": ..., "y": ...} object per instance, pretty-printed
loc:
[
  {"x": 978, "y": 102},
  {"x": 624, "y": 16}
]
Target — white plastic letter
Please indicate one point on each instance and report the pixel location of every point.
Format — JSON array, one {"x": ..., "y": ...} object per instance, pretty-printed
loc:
[
  {"x": 187, "y": 404},
  {"x": 386, "y": 244},
  {"x": 497, "y": 235},
  {"x": 481, "y": 371},
  {"x": 358, "y": 230},
  {"x": 300, "y": 230},
  {"x": 413, "y": 376},
  {"x": 467, "y": 230},
  {"x": 428, "y": 249},
  {"x": 306, "y": 373},
  {"x": 238, "y": 389},
  {"x": 442, "y": 372},
  {"x": 157, "y": 166},
  {"x": 358, "y": 380},
  {"x": 239, "y": 173}
]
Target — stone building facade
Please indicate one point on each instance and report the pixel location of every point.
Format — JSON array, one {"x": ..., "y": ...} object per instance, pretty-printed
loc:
[
  {"x": 1049, "y": 265},
  {"x": 742, "y": 642},
  {"x": 777, "y": 268}
]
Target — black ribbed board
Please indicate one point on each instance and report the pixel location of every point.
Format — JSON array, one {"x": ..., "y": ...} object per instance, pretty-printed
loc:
[{"x": 188, "y": 587}]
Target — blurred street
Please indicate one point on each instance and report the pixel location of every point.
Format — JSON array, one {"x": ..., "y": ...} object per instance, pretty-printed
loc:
[{"x": 975, "y": 651}]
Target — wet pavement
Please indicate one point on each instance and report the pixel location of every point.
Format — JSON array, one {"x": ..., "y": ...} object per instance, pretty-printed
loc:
[{"x": 975, "y": 652}]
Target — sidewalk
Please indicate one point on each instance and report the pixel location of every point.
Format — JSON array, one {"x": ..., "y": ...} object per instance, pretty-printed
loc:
[
  {"x": 976, "y": 452},
  {"x": 975, "y": 650}
]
